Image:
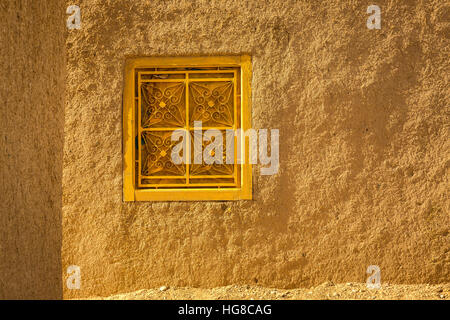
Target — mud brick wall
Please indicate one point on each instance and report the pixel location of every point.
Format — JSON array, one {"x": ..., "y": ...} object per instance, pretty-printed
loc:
[
  {"x": 364, "y": 147},
  {"x": 32, "y": 81}
]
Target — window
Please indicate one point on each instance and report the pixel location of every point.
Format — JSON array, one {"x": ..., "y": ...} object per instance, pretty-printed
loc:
[{"x": 183, "y": 129}]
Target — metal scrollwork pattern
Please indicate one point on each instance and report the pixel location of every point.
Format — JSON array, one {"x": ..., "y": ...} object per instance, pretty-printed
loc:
[
  {"x": 168, "y": 100},
  {"x": 163, "y": 105},
  {"x": 157, "y": 148},
  {"x": 212, "y": 103},
  {"x": 208, "y": 169}
]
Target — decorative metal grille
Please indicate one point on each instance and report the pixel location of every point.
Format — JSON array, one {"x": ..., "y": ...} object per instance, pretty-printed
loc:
[{"x": 168, "y": 99}]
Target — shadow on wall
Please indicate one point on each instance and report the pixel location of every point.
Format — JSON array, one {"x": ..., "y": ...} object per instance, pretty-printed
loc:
[{"x": 31, "y": 143}]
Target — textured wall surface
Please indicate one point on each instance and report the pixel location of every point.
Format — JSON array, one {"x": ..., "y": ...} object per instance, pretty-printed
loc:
[
  {"x": 364, "y": 147},
  {"x": 32, "y": 55}
]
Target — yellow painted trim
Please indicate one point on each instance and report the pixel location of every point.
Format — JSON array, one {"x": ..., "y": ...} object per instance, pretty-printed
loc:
[
  {"x": 128, "y": 134},
  {"x": 172, "y": 62},
  {"x": 192, "y": 194},
  {"x": 246, "y": 118},
  {"x": 130, "y": 192}
]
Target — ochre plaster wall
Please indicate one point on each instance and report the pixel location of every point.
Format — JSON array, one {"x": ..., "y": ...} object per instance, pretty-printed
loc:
[
  {"x": 364, "y": 147},
  {"x": 32, "y": 68}
]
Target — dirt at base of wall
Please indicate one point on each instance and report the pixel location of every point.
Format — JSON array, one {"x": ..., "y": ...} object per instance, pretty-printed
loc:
[{"x": 327, "y": 291}]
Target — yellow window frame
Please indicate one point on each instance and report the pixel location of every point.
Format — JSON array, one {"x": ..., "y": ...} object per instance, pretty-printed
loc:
[{"x": 131, "y": 189}]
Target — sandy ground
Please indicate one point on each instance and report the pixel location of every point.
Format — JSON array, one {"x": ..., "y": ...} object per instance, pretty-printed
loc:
[{"x": 327, "y": 291}]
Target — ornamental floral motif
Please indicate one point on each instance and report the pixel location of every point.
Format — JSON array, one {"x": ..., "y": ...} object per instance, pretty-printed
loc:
[
  {"x": 156, "y": 155},
  {"x": 212, "y": 103},
  {"x": 174, "y": 101},
  {"x": 199, "y": 167},
  {"x": 163, "y": 105}
]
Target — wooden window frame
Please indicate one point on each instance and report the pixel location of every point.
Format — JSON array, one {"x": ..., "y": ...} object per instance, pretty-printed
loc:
[{"x": 130, "y": 190}]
